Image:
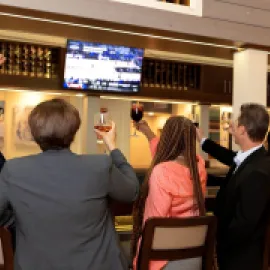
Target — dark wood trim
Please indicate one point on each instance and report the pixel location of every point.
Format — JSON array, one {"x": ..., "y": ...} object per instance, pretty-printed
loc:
[
  {"x": 185, "y": 2},
  {"x": 178, "y": 254},
  {"x": 54, "y": 85},
  {"x": 189, "y": 95},
  {"x": 29, "y": 83}
]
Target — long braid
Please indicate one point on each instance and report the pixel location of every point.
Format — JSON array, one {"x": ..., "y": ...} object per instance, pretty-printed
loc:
[
  {"x": 191, "y": 159},
  {"x": 178, "y": 138}
]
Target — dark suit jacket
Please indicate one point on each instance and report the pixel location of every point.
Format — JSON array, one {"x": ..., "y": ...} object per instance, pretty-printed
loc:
[
  {"x": 242, "y": 208},
  {"x": 60, "y": 201}
]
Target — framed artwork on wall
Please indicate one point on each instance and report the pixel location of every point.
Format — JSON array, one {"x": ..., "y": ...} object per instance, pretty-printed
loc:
[{"x": 22, "y": 134}]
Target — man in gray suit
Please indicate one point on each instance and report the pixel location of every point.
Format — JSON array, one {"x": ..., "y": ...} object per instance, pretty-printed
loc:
[
  {"x": 7, "y": 217},
  {"x": 60, "y": 199}
]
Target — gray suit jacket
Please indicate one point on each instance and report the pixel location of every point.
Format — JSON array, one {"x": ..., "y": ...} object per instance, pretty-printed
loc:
[{"x": 60, "y": 201}]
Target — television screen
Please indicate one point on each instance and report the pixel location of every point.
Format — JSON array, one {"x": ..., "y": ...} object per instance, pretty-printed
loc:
[{"x": 102, "y": 67}]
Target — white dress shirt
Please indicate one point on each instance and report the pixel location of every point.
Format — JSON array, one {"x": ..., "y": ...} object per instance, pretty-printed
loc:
[{"x": 240, "y": 156}]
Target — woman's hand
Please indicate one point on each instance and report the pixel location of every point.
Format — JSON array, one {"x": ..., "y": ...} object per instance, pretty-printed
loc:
[
  {"x": 199, "y": 135},
  {"x": 144, "y": 128},
  {"x": 109, "y": 138},
  {"x": 2, "y": 59}
]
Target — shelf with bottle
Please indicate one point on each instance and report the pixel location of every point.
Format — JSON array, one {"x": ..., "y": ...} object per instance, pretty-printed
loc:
[
  {"x": 170, "y": 74},
  {"x": 30, "y": 60}
]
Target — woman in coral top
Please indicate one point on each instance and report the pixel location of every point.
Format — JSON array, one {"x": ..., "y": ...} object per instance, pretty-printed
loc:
[{"x": 175, "y": 184}]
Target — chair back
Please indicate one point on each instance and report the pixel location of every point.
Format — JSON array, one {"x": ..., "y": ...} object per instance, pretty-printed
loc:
[
  {"x": 174, "y": 239},
  {"x": 7, "y": 248}
]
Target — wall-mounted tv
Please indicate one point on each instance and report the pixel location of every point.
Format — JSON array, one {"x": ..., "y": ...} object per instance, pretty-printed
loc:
[{"x": 102, "y": 67}]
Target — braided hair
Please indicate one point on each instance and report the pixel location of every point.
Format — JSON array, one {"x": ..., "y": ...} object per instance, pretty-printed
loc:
[{"x": 177, "y": 138}]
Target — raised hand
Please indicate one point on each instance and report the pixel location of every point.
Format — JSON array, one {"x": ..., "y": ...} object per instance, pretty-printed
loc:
[
  {"x": 2, "y": 59},
  {"x": 144, "y": 128},
  {"x": 109, "y": 138}
]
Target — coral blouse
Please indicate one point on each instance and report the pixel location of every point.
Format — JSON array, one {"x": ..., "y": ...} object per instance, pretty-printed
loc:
[{"x": 170, "y": 193}]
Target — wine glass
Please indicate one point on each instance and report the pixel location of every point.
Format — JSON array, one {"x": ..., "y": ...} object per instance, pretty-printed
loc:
[
  {"x": 102, "y": 122},
  {"x": 136, "y": 114}
]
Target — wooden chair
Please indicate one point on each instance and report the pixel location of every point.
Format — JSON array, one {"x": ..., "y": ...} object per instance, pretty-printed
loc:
[
  {"x": 174, "y": 239},
  {"x": 7, "y": 249}
]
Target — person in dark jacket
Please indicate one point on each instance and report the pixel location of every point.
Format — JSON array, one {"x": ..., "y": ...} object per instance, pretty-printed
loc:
[{"x": 243, "y": 202}]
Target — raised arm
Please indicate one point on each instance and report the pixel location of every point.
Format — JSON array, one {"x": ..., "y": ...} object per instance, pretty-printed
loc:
[
  {"x": 123, "y": 183},
  {"x": 217, "y": 151},
  {"x": 144, "y": 128},
  {"x": 2, "y": 59}
]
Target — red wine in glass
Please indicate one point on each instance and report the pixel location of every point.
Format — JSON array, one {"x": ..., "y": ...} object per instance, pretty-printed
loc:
[{"x": 136, "y": 114}]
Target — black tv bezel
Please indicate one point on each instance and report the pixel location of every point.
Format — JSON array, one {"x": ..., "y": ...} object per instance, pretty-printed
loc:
[{"x": 92, "y": 91}]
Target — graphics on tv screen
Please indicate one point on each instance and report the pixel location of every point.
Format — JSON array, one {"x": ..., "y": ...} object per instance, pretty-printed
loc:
[{"x": 97, "y": 66}]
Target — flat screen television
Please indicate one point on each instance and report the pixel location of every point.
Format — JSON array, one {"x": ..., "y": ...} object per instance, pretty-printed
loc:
[{"x": 102, "y": 67}]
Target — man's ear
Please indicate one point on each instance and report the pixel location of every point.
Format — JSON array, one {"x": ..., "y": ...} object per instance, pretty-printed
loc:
[{"x": 242, "y": 130}]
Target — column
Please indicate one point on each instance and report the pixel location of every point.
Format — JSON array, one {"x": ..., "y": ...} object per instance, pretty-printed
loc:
[
  {"x": 249, "y": 79},
  {"x": 91, "y": 106},
  {"x": 202, "y": 111}
]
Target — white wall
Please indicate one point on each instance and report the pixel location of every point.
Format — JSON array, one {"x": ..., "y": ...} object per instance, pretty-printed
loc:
[
  {"x": 13, "y": 99},
  {"x": 85, "y": 141}
]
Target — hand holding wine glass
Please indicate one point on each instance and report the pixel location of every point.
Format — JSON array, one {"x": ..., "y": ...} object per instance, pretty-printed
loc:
[
  {"x": 136, "y": 114},
  {"x": 109, "y": 137},
  {"x": 226, "y": 121},
  {"x": 145, "y": 129},
  {"x": 199, "y": 135},
  {"x": 102, "y": 122},
  {"x": 2, "y": 59}
]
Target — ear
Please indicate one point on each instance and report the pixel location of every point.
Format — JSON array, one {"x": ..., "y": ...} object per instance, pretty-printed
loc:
[{"x": 242, "y": 130}]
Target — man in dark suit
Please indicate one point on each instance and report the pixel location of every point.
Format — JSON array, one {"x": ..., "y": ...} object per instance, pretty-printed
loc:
[{"x": 242, "y": 204}]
